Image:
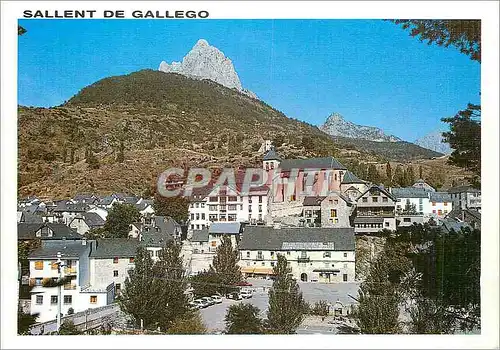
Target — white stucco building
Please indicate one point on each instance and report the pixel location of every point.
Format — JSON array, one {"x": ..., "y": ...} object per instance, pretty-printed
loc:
[
  {"x": 314, "y": 254},
  {"x": 78, "y": 294}
]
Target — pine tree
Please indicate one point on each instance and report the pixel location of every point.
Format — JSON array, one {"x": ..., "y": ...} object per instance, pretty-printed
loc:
[
  {"x": 411, "y": 176},
  {"x": 138, "y": 299},
  {"x": 420, "y": 172},
  {"x": 225, "y": 265},
  {"x": 243, "y": 319},
  {"x": 119, "y": 219},
  {"x": 388, "y": 172},
  {"x": 373, "y": 174},
  {"x": 399, "y": 176},
  {"x": 169, "y": 285},
  {"x": 286, "y": 305}
]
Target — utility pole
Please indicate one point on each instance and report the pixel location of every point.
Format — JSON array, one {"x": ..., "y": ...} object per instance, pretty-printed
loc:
[{"x": 59, "y": 290}]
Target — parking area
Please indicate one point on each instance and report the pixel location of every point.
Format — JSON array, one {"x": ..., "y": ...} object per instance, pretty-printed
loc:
[{"x": 213, "y": 316}]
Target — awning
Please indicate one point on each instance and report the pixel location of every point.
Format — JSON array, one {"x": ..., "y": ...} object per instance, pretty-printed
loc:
[
  {"x": 263, "y": 271},
  {"x": 248, "y": 269}
]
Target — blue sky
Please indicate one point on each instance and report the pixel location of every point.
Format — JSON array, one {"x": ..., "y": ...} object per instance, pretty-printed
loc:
[{"x": 370, "y": 71}]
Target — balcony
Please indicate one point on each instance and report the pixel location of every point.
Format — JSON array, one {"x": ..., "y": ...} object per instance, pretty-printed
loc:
[
  {"x": 303, "y": 259},
  {"x": 69, "y": 286},
  {"x": 259, "y": 257}
]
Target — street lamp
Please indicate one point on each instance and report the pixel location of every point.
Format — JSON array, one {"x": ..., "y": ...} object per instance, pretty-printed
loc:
[{"x": 59, "y": 291}]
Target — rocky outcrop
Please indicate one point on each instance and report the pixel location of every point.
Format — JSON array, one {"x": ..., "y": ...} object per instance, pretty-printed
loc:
[
  {"x": 336, "y": 125},
  {"x": 207, "y": 62},
  {"x": 434, "y": 141}
]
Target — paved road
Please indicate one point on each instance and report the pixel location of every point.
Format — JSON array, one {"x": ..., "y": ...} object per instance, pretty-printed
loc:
[{"x": 213, "y": 316}]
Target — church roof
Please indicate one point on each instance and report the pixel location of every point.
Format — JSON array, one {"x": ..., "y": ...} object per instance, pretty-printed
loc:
[
  {"x": 350, "y": 178},
  {"x": 271, "y": 155}
]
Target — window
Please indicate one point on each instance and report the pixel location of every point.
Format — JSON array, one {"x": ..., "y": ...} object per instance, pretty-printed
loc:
[
  {"x": 345, "y": 255},
  {"x": 115, "y": 260},
  {"x": 287, "y": 253},
  {"x": 248, "y": 254},
  {"x": 292, "y": 197},
  {"x": 93, "y": 299},
  {"x": 197, "y": 205},
  {"x": 212, "y": 207},
  {"x": 192, "y": 216},
  {"x": 131, "y": 260},
  {"x": 385, "y": 199},
  {"x": 445, "y": 204},
  {"x": 212, "y": 217},
  {"x": 406, "y": 219},
  {"x": 192, "y": 226},
  {"x": 197, "y": 226},
  {"x": 260, "y": 199},
  {"x": 232, "y": 199},
  {"x": 263, "y": 263},
  {"x": 333, "y": 213},
  {"x": 202, "y": 205},
  {"x": 231, "y": 217},
  {"x": 344, "y": 277},
  {"x": 345, "y": 266},
  {"x": 272, "y": 254},
  {"x": 272, "y": 165},
  {"x": 440, "y": 212},
  {"x": 38, "y": 281},
  {"x": 53, "y": 299},
  {"x": 386, "y": 224},
  {"x": 197, "y": 216},
  {"x": 68, "y": 299},
  {"x": 38, "y": 265},
  {"x": 39, "y": 299},
  {"x": 248, "y": 263},
  {"x": 214, "y": 199},
  {"x": 365, "y": 200},
  {"x": 53, "y": 265},
  {"x": 118, "y": 287},
  {"x": 115, "y": 273},
  {"x": 446, "y": 211},
  {"x": 327, "y": 255},
  {"x": 374, "y": 199},
  {"x": 272, "y": 263},
  {"x": 433, "y": 204},
  {"x": 260, "y": 208},
  {"x": 231, "y": 207}
]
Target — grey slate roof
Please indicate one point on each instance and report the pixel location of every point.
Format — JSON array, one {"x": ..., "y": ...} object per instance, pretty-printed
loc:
[
  {"x": 312, "y": 201},
  {"x": 70, "y": 207},
  {"x": 200, "y": 235},
  {"x": 381, "y": 189},
  {"x": 93, "y": 219},
  {"x": 312, "y": 163},
  {"x": 68, "y": 250},
  {"x": 463, "y": 189},
  {"x": 225, "y": 227},
  {"x": 268, "y": 238},
  {"x": 409, "y": 192},
  {"x": 350, "y": 178},
  {"x": 369, "y": 220},
  {"x": 60, "y": 231},
  {"x": 271, "y": 155},
  {"x": 30, "y": 218},
  {"x": 115, "y": 247},
  {"x": 452, "y": 225},
  {"x": 440, "y": 197}
]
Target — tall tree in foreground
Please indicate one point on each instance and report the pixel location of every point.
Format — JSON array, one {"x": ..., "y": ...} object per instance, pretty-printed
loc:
[
  {"x": 465, "y": 35},
  {"x": 119, "y": 219},
  {"x": 464, "y": 138},
  {"x": 243, "y": 319},
  {"x": 138, "y": 298},
  {"x": 169, "y": 285},
  {"x": 286, "y": 305},
  {"x": 225, "y": 265},
  {"x": 24, "y": 321}
]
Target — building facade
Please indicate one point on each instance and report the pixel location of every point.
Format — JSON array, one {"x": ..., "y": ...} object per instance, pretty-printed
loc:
[{"x": 375, "y": 211}]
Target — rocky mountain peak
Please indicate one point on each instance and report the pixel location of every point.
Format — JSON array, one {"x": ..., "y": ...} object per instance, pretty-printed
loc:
[
  {"x": 337, "y": 125},
  {"x": 434, "y": 141},
  {"x": 207, "y": 62}
]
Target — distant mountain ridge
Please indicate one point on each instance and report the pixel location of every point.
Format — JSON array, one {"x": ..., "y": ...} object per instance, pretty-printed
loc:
[
  {"x": 433, "y": 141},
  {"x": 207, "y": 62},
  {"x": 336, "y": 125}
]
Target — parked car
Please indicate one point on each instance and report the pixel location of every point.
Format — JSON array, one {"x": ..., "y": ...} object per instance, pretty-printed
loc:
[
  {"x": 244, "y": 284},
  {"x": 234, "y": 295},
  {"x": 201, "y": 303},
  {"x": 217, "y": 299},
  {"x": 246, "y": 293},
  {"x": 193, "y": 305},
  {"x": 209, "y": 300}
]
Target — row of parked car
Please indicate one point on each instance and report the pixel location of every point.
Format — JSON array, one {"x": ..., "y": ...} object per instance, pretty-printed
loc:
[{"x": 204, "y": 302}]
